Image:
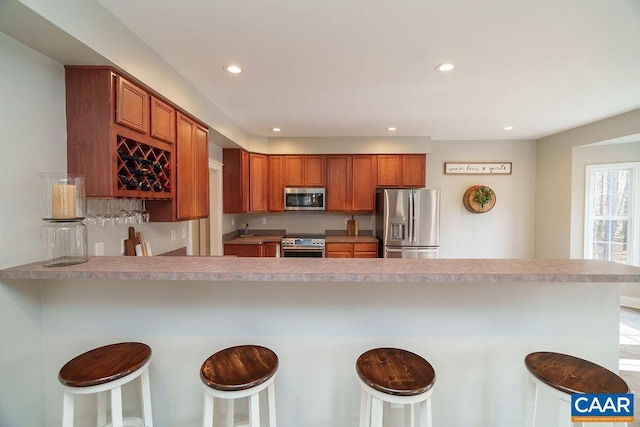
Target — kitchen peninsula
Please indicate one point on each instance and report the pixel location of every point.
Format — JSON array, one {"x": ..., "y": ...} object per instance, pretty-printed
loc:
[{"x": 474, "y": 320}]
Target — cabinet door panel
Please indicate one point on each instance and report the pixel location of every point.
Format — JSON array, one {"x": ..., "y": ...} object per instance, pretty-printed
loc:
[
  {"x": 365, "y": 255},
  {"x": 365, "y": 247},
  {"x": 338, "y": 180},
  {"x": 270, "y": 249},
  {"x": 201, "y": 164},
  {"x": 389, "y": 171},
  {"x": 294, "y": 171},
  {"x": 364, "y": 182},
  {"x": 314, "y": 171},
  {"x": 131, "y": 105},
  {"x": 258, "y": 180},
  {"x": 186, "y": 178},
  {"x": 235, "y": 181},
  {"x": 275, "y": 202},
  {"x": 243, "y": 250},
  {"x": 339, "y": 250},
  {"x": 414, "y": 170},
  {"x": 163, "y": 120}
]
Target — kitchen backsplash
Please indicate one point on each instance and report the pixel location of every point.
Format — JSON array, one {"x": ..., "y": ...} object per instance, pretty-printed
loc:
[{"x": 302, "y": 222}]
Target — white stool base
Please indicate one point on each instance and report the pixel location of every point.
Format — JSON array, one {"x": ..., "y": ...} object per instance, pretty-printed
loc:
[
  {"x": 114, "y": 389},
  {"x": 564, "y": 405},
  {"x": 254, "y": 403},
  {"x": 372, "y": 403}
]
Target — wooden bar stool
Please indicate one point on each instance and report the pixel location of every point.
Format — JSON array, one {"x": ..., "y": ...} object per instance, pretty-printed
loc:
[
  {"x": 238, "y": 372},
  {"x": 565, "y": 375},
  {"x": 394, "y": 376},
  {"x": 107, "y": 369}
]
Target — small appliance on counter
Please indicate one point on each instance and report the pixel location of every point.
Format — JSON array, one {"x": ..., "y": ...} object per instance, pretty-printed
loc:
[
  {"x": 63, "y": 206},
  {"x": 408, "y": 223}
]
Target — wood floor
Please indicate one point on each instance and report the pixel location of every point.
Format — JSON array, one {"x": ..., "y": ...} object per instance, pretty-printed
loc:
[{"x": 630, "y": 355}]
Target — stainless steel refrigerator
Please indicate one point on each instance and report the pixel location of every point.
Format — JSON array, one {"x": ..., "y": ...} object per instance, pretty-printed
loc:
[{"x": 408, "y": 223}]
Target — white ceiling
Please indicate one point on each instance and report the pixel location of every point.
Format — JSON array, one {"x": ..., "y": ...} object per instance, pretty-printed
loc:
[{"x": 355, "y": 67}]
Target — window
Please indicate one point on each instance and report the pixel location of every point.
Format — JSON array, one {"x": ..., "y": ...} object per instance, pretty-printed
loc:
[{"x": 612, "y": 225}]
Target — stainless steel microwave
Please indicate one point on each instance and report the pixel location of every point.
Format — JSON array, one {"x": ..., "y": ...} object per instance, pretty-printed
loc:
[{"x": 304, "y": 199}]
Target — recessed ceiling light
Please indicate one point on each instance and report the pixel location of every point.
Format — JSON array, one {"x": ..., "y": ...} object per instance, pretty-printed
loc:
[
  {"x": 233, "y": 69},
  {"x": 446, "y": 66},
  {"x": 392, "y": 128},
  {"x": 276, "y": 129},
  {"x": 508, "y": 128}
]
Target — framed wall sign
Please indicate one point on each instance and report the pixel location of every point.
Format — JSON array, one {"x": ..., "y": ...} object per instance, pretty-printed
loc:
[{"x": 477, "y": 168}]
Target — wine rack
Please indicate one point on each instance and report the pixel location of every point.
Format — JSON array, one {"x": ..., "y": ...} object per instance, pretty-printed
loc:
[{"x": 143, "y": 169}]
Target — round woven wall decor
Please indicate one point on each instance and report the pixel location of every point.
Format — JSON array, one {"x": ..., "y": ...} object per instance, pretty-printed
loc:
[{"x": 475, "y": 195}]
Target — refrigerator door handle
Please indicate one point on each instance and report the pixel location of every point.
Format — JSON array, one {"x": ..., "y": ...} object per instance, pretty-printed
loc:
[{"x": 412, "y": 216}]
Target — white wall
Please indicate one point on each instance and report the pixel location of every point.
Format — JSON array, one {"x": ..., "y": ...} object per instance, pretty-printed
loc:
[
  {"x": 554, "y": 188},
  {"x": 507, "y": 230},
  {"x": 32, "y": 120}
]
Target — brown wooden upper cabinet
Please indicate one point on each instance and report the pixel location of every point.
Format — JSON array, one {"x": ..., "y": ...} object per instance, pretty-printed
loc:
[
  {"x": 351, "y": 182},
  {"x": 275, "y": 193},
  {"x": 401, "y": 170},
  {"x": 163, "y": 120},
  {"x": 304, "y": 170},
  {"x": 258, "y": 182},
  {"x": 132, "y": 105},
  {"x": 193, "y": 170},
  {"x": 235, "y": 181},
  {"x": 121, "y": 135},
  {"x": 245, "y": 181}
]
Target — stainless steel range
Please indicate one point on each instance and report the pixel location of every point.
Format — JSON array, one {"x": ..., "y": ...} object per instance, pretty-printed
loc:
[{"x": 303, "y": 246}]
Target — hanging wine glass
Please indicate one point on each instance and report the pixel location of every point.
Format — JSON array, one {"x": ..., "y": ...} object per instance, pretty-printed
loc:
[
  {"x": 123, "y": 215},
  {"x": 109, "y": 219},
  {"x": 131, "y": 217},
  {"x": 137, "y": 214},
  {"x": 100, "y": 220},
  {"x": 90, "y": 219},
  {"x": 146, "y": 216}
]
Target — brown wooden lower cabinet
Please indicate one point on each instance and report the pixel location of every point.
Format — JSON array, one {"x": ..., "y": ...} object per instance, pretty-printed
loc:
[
  {"x": 339, "y": 250},
  {"x": 365, "y": 250},
  {"x": 267, "y": 249},
  {"x": 351, "y": 250},
  {"x": 244, "y": 250},
  {"x": 270, "y": 249}
]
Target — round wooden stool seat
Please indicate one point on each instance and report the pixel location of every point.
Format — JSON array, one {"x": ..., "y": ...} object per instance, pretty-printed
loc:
[
  {"x": 103, "y": 372},
  {"x": 570, "y": 374},
  {"x": 563, "y": 375},
  {"x": 394, "y": 371},
  {"x": 104, "y": 364},
  {"x": 394, "y": 376},
  {"x": 240, "y": 372},
  {"x": 239, "y": 368}
]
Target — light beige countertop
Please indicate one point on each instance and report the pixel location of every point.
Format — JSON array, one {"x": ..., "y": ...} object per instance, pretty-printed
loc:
[
  {"x": 254, "y": 240},
  {"x": 350, "y": 239},
  {"x": 330, "y": 270}
]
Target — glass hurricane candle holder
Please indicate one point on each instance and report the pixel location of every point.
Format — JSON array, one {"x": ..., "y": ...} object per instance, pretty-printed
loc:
[
  {"x": 62, "y": 196},
  {"x": 64, "y": 243}
]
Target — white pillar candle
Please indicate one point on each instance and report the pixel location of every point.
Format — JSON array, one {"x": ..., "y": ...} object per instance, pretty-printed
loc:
[{"x": 64, "y": 201}]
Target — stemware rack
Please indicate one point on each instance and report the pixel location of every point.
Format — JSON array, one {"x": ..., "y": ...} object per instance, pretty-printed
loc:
[{"x": 143, "y": 170}]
